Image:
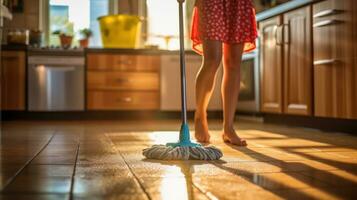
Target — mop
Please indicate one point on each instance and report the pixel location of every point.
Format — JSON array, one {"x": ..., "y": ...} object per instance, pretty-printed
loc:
[{"x": 184, "y": 149}]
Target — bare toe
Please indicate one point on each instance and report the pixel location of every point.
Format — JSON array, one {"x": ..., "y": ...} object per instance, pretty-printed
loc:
[{"x": 233, "y": 138}]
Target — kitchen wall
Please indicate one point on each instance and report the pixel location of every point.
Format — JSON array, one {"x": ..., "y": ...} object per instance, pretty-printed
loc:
[
  {"x": 28, "y": 19},
  {"x": 129, "y": 6},
  {"x": 261, "y": 5}
]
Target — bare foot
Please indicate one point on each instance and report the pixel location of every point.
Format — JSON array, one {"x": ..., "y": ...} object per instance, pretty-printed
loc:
[
  {"x": 230, "y": 136},
  {"x": 201, "y": 130}
]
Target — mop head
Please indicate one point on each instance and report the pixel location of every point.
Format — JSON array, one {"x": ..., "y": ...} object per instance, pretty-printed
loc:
[
  {"x": 167, "y": 152},
  {"x": 184, "y": 149}
]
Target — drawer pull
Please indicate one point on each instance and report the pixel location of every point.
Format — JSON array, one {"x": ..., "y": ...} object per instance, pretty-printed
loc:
[
  {"x": 326, "y": 23},
  {"x": 328, "y": 12},
  {"x": 125, "y": 99},
  {"x": 326, "y": 62}
]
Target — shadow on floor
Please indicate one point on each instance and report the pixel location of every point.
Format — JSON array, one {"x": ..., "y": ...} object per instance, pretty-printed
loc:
[
  {"x": 188, "y": 166},
  {"x": 290, "y": 165}
]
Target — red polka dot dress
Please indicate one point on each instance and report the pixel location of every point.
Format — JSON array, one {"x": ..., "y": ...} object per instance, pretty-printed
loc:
[{"x": 229, "y": 21}]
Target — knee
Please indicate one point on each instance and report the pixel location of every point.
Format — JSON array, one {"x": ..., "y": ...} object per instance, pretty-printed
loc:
[
  {"x": 211, "y": 63},
  {"x": 232, "y": 63}
]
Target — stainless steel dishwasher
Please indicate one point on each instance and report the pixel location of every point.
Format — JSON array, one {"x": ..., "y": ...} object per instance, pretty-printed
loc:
[{"x": 55, "y": 82}]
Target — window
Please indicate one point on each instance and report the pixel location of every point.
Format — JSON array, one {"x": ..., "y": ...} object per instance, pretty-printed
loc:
[
  {"x": 163, "y": 22},
  {"x": 70, "y": 17}
]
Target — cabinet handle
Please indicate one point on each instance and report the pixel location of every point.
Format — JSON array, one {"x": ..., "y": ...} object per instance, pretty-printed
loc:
[
  {"x": 328, "y": 12},
  {"x": 125, "y": 99},
  {"x": 278, "y": 41},
  {"x": 327, "y": 23},
  {"x": 326, "y": 62}
]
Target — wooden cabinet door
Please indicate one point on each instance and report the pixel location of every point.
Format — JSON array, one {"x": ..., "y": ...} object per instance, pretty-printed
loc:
[
  {"x": 335, "y": 82},
  {"x": 297, "y": 58},
  {"x": 271, "y": 66},
  {"x": 13, "y": 80}
]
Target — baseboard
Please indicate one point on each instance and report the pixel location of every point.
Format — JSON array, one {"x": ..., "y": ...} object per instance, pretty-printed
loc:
[{"x": 325, "y": 124}]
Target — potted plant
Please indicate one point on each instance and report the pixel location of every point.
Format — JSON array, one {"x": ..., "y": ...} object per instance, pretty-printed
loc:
[
  {"x": 65, "y": 39},
  {"x": 86, "y": 34}
]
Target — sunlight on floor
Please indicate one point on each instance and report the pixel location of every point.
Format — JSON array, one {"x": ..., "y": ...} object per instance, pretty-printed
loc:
[{"x": 38, "y": 162}]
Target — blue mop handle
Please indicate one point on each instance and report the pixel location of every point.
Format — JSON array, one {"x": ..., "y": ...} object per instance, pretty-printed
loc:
[
  {"x": 184, "y": 131},
  {"x": 182, "y": 65}
]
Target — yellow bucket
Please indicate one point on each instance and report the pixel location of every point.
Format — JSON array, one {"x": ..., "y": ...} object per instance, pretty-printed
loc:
[{"x": 120, "y": 31}]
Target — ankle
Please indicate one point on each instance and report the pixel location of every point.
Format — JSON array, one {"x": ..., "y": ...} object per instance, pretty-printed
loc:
[
  {"x": 228, "y": 129},
  {"x": 200, "y": 115}
]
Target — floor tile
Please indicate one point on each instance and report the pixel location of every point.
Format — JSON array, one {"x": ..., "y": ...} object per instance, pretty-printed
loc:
[
  {"x": 338, "y": 178},
  {"x": 107, "y": 185},
  {"x": 287, "y": 180},
  {"x": 118, "y": 196},
  {"x": 55, "y": 160},
  {"x": 6, "y": 159},
  {"x": 35, "y": 184},
  {"x": 34, "y": 197},
  {"x": 102, "y": 170},
  {"x": 48, "y": 170}
]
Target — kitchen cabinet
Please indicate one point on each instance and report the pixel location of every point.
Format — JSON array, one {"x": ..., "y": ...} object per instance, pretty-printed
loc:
[
  {"x": 335, "y": 60},
  {"x": 123, "y": 82},
  {"x": 13, "y": 80},
  {"x": 271, "y": 66},
  {"x": 286, "y": 63},
  {"x": 171, "y": 85},
  {"x": 297, "y": 62},
  {"x": 122, "y": 100}
]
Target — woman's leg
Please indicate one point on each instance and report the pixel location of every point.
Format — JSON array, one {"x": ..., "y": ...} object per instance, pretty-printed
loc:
[
  {"x": 232, "y": 55},
  {"x": 212, "y": 51}
]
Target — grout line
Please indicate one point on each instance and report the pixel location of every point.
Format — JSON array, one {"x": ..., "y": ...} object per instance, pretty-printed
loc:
[
  {"x": 207, "y": 194},
  {"x": 74, "y": 173},
  {"x": 27, "y": 163},
  {"x": 130, "y": 169}
]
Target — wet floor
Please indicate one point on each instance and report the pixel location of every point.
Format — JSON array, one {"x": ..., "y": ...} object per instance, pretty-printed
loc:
[{"x": 102, "y": 160}]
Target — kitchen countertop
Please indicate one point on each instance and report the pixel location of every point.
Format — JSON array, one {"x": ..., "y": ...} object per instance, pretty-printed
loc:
[
  {"x": 14, "y": 47},
  {"x": 57, "y": 52},
  {"x": 283, "y": 8},
  {"x": 78, "y": 51}
]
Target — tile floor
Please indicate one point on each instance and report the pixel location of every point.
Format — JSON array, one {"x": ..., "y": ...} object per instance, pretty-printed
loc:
[{"x": 102, "y": 160}]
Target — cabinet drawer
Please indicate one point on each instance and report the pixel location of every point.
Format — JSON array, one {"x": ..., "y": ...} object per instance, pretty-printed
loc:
[
  {"x": 122, "y": 80},
  {"x": 122, "y": 100},
  {"x": 330, "y": 9},
  {"x": 334, "y": 59},
  {"x": 115, "y": 62},
  {"x": 332, "y": 30}
]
